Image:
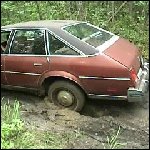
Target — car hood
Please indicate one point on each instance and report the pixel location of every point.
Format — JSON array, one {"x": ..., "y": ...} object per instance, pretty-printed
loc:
[{"x": 125, "y": 53}]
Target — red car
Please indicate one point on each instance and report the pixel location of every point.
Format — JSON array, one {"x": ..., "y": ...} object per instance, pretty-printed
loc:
[{"x": 71, "y": 60}]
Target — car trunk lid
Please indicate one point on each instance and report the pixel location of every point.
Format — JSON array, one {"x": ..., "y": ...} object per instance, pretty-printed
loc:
[{"x": 125, "y": 53}]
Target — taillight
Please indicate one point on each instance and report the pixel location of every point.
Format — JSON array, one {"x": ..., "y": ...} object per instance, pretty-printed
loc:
[{"x": 133, "y": 75}]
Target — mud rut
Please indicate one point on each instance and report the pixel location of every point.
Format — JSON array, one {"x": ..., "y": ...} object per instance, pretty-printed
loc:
[{"x": 97, "y": 120}]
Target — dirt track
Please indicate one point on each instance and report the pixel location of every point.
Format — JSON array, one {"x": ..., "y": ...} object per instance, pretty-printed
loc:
[{"x": 97, "y": 120}]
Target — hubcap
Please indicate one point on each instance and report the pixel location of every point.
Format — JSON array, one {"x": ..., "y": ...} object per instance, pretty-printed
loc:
[{"x": 65, "y": 98}]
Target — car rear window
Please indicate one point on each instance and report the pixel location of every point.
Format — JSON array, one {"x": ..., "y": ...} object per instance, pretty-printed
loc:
[{"x": 90, "y": 34}]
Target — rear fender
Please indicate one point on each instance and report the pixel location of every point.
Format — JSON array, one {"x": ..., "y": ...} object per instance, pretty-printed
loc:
[{"x": 62, "y": 74}]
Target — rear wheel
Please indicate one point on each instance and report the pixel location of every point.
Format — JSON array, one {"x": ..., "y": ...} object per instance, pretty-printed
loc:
[{"x": 66, "y": 95}]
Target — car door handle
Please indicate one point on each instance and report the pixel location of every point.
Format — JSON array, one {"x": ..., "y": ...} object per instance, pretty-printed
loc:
[{"x": 37, "y": 64}]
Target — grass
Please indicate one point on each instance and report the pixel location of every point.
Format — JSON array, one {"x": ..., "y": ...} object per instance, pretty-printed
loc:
[
  {"x": 113, "y": 141},
  {"x": 13, "y": 133}
]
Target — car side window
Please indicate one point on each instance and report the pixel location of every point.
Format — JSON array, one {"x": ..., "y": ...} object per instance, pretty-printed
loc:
[
  {"x": 30, "y": 42},
  {"x": 57, "y": 47},
  {"x": 4, "y": 41}
]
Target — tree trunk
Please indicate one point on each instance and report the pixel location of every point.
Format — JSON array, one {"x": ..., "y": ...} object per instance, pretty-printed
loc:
[
  {"x": 113, "y": 10},
  {"x": 80, "y": 10}
]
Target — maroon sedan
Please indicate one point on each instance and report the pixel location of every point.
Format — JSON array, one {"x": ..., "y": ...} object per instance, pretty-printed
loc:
[{"x": 71, "y": 60}]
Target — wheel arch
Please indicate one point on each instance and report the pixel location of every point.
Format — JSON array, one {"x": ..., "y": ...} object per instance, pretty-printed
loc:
[{"x": 51, "y": 77}]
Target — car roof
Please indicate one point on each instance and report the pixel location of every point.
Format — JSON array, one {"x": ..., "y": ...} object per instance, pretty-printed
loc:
[
  {"x": 42, "y": 24},
  {"x": 56, "y": 27}
]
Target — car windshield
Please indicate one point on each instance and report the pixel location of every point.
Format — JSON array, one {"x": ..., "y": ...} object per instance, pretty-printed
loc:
[{"x": 91, "y": 35}]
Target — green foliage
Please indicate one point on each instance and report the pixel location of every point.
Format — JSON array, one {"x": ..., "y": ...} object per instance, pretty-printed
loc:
[
  {"x": 11, "y": 114},
  {"x": 131, "y": 21},
  {"x": 13, "y": 133}
]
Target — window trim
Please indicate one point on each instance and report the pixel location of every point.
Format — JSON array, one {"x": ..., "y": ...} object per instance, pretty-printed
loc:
[
  {"x": 47, "y": 42},
  {"x": 112, "y": 39},
  {"x": 28, "y": 29},
  {"x": 63, "y": 28},
  {"x": 65, "y": 42},
  {"x": 9, "y": 40}
]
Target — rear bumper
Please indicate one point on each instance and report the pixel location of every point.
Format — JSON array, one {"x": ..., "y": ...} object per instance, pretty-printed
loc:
[{"x": 140, "y": 91}]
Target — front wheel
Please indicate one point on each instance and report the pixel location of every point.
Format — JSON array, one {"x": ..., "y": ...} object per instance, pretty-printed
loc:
[{"x": 66, "y": 95}]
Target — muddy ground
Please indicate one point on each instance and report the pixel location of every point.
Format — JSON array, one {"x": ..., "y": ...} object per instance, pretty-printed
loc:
[{"x": 98, "y": 120}]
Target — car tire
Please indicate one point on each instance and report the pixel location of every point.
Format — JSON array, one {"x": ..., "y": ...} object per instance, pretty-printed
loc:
[{"x": 66, "y": 95}]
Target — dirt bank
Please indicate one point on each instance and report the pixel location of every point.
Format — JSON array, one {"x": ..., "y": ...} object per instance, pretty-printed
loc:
[{"x": 98, "y": 120}]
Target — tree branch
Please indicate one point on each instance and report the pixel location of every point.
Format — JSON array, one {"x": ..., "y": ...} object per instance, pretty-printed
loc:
[{"x": 117, "y": 11}]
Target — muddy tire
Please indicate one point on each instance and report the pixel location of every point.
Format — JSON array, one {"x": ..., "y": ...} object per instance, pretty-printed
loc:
[{"x": 66, "y": 95}]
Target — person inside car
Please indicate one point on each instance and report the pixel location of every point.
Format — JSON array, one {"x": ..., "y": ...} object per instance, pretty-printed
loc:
[{"x": 4, "y": 44}]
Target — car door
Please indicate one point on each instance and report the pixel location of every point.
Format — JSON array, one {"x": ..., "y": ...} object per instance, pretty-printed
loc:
[
  {"x": 3, "y": 79},
  {"x": 27, "y": 59}
]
